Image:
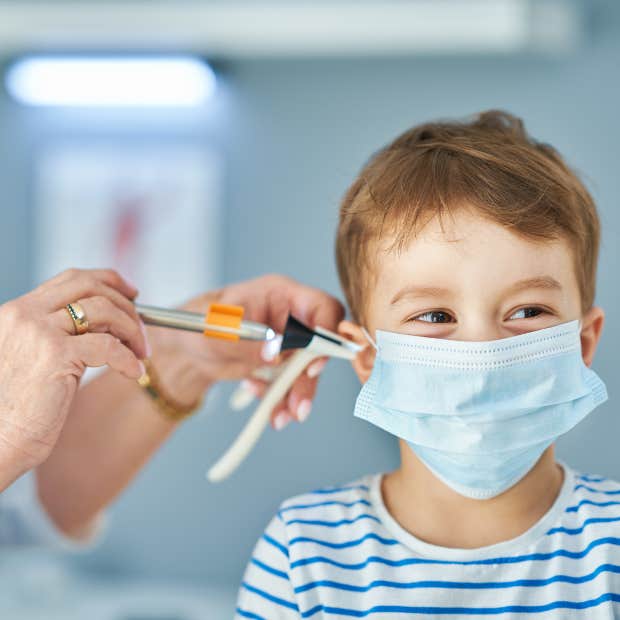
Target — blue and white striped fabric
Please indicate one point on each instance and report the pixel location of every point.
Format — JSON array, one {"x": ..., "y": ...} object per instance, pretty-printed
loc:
[{"x": 337, "y": 553}]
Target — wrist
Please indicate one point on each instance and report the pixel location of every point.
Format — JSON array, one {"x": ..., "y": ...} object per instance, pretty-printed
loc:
[
  {"x": 178, "y": 371},
  {"x": 14, "y": 462},
  {"x": 171, "y": 409}
]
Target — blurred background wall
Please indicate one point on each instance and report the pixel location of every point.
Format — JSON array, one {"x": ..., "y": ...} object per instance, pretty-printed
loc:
[{"x": 293, "y": 132}]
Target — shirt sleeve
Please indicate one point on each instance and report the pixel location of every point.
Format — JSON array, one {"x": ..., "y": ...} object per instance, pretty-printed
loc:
[
  {"x": 266, "y": 592},
  {"x": 24, "y": 521}
]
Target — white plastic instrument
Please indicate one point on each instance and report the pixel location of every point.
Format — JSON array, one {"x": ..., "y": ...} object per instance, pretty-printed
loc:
[{"x": 316, "y": 343}]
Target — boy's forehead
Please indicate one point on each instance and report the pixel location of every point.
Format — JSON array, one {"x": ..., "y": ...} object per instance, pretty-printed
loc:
[
  {"x": 465, "y": 227},
  {"x": 468, "y": 233},
  {"x": 469, "y": 249}
]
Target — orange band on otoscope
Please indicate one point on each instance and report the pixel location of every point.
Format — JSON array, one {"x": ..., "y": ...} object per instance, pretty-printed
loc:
[{"x": 224, "y": 316}]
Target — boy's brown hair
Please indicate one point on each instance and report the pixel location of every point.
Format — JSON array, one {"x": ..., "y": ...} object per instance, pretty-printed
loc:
[{"x": 489, "y": 163}]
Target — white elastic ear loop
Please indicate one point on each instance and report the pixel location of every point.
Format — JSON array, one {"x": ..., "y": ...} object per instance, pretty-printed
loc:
[{"x": 370, "y": 339}]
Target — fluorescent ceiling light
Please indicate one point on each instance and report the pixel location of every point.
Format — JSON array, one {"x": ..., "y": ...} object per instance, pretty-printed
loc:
[
  {"x": 303, "y": 28},
  {"x": 111, "y": 81}
]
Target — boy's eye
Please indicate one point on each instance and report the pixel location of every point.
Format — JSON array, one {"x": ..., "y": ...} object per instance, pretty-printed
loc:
[
  {"x": 526, "y": 313},
  {"x": 435, "y": 316}
]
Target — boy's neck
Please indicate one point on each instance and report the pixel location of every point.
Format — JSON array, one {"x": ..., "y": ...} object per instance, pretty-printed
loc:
[{"x": 434, "y": 513}]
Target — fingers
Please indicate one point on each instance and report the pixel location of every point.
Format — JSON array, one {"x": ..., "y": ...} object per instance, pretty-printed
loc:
[
  {"x": 323, "y": 310},
  {"x": 300, "y": 397},
  {"x": 76, "y": 284},
  {"x": 310, "y": 305},
  {"x": 270, "y": 350},
  {"x": 271, "y": 298},
  {"x": 104, "y": 349},
  {"x": 296, "y": 405},
  {"x": 104, "y": 316},
  {"x": 246, "y": 393},
  {"x": 250, "y": 389},
  {"x": 110, "y": 277},
  {"x": 316, "y": 367},
  {"x": 268, "y": 299},
  {"x": 120, "y": 301}
]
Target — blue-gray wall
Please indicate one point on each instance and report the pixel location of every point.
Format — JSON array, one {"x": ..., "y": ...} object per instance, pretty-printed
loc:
[{"x": 293, "y": 135}]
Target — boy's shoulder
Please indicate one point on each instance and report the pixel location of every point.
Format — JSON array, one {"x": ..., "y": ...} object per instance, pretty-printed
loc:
[
  {"x": 590, "y": 506},
  {"x": 593, "y": 490},
  {"x": 331, "y": 506},
  {"x": 307, "y": 528}
]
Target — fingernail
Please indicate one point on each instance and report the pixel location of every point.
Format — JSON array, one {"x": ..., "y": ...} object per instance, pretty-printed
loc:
[
  {"x": 271, "y": 349},
  {"x": 282, "y": 420},
  {"x": 304, "y": 409},
  {"x": 240, "y": 399},
  {"x": 142, "y": 371},
  {"x": 134, "y": 288},
  {"x": 249, "y": 386},
  {"x": 129, "y": 281},
  {"x": 148, "y": 349},
  {"x": 316, "y": 368}
]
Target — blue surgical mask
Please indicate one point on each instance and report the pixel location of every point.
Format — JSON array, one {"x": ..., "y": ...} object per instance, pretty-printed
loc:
[{"x": 480, "y": 414}]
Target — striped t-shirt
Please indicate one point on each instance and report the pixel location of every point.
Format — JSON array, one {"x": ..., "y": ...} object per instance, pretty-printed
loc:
[{"x": 337, "y": 553}]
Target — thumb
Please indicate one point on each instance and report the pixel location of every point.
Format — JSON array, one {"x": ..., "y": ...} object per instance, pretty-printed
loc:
[{"x": 105, "y": 350}]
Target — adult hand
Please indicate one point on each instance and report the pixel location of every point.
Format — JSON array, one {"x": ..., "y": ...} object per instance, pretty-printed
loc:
[
  {"x": 43, "y": 360},
  {"x": 188, "y": 364}
]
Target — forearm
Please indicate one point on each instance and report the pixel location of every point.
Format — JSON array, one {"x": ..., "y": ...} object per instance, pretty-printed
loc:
[{"x": 111, "y": 432}]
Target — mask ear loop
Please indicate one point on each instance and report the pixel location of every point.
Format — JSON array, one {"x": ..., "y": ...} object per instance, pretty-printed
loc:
[{"x": 370, "y": 339}]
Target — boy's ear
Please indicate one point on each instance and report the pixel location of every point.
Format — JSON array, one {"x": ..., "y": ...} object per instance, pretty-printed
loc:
[
  {"x": 365, "y": 359},
  {"x": 591, "y": 329}
]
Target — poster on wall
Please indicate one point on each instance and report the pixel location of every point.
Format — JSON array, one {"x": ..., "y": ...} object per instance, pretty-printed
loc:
[{"x": 151, "y": 213}]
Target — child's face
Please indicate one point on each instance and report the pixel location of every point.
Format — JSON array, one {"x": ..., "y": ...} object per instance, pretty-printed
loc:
[{"x": 475, "y": 280}]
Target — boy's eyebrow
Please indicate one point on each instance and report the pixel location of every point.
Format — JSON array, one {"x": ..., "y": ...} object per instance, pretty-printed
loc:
[
  {"x": 542, "y": 282},
  {"x": 419, "y": 291}
]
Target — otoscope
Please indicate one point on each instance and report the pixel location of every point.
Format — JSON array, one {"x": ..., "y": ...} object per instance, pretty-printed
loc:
[
  {"x": 221, "y": 321},
  {"x": 226, "y": 322}
]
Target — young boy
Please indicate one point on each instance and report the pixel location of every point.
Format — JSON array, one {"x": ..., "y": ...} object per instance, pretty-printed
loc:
[{"x": 468, "y": 252}]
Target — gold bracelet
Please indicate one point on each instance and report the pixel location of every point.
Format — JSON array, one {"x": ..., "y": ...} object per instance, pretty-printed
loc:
[{"x": 150, "y": 382}]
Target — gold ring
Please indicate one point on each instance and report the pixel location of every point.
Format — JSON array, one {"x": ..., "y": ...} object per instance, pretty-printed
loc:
[{"x": 78, "y": 316}]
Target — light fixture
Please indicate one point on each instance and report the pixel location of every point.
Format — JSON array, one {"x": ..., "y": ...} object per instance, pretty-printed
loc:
[
  {"x": 115, "y": 81},
  {"x": 242, "y": 29}
]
